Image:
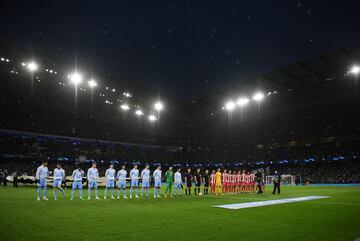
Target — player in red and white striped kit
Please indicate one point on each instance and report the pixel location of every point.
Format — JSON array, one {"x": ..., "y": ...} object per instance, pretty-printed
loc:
[
  {"x": 233, "y": 182},
  {"x": 224, "y": 181},
  {"x": 212, "y": 182},
  {"x": 247, "y": 181},
  {"x": 238, "y": 182},
  {"x": 252, "y": 182},
  {"x": 243, "y": 181},
  {"x": 229, "y": 182}
]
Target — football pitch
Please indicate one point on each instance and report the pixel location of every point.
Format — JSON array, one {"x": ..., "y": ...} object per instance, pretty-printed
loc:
[{"x": 181, "y": 218}]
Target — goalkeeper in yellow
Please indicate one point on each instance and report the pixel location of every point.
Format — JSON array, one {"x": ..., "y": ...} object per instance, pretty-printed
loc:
[{"x": 218, "y": 181}]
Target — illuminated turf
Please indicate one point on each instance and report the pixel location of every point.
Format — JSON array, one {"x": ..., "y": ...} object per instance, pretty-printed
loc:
[{"x": 185, "y": 218}]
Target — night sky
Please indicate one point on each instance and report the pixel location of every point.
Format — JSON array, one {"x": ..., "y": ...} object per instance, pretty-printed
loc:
[{"x": 183, "y": 48}]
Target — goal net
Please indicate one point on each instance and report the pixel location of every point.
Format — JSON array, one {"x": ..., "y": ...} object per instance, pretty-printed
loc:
[{"x": 285, "y": 180}]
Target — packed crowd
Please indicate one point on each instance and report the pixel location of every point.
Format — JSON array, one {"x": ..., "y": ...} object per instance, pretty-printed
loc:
[
  {"x": 34, "y": 146},
  {"x": 336, "y": 172},
  {"x": 324, "y": 172},
  {"x": 344, "y": 170}
]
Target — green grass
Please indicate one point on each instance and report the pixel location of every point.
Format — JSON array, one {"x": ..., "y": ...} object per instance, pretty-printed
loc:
[{"x": 181, "y": 218}]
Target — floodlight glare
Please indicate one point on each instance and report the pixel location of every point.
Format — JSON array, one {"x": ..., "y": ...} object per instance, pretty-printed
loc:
[
  {"x": 139, "y": 112},
  {"x": 76, "y": 78},
  {"x": 127, "y": 94},
  {"x": 158, "y": 106},
  {"x": 258, "y": 96},
  {"x": 124, "y": 107},
  {"x": 92, "y": 83},
  {"x": 230, "y": 106},
  {"x": 355, "y": 70},
  {"x": 32, "y": 66},
  {"x": 242, "y": 101},
  {"x": 152, "y": 118}
]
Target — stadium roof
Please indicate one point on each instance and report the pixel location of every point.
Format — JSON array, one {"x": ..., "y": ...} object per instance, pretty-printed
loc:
[{"x": 318, "y": 75}]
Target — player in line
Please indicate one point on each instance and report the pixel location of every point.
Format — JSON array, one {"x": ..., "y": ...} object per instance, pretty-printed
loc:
[
  {"x": 218, "y": 178},
  {"x": 243, "y": 177},
  {"x": 121, "y": 176},
  {"x": 169, "y": 177},
  {"x": 252, "y": 182},
  {"x": 231, "y": 182},
  {"x": 177, "y": 183},
  {"x": 59, "y": 175},
  {"x": 248, "y": 184},
  {"x": 228, "y": 182},
  {"x": 238, "y": 182},
  {"x": 93, "y": 177},
  {"x": 212, "y": 182},
  {"x": 197, "y": 179},
  {"x": 157, "y": 180},
  {"x": 134, "y": 176},
  {"x": 110, "y": 179},
  {"x": 78, "y": 175},
  {"x": 145, "y": 181},
  {"x": 41, "y": 176},
  {"x": 206, "y": 180},
  {"x": 188, "y": 182},
  {"x": 228, "y": 189},
  {"x": 224, "y": 181},
  {"x": 234, "y": 182}
]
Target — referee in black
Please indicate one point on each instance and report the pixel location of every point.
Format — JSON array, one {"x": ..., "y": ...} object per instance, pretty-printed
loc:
[{"x": 277, "y": 180}]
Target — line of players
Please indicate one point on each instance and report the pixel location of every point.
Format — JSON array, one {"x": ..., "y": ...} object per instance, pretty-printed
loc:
[
  {"x": 232, "y": 182},
  {"x": 219, "y": 183}
]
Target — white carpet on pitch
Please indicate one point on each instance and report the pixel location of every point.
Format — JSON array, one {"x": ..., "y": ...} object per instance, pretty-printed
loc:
[{"x": 269, "y": 202}]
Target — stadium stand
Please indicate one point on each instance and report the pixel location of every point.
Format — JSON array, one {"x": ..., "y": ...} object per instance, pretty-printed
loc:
[{"x": 298, "y": 129}]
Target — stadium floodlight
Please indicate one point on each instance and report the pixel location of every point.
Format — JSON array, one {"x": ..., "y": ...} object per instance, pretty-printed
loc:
[
  {"x": 92, "y": 83},
  {"x": 242, "y": 101},
  {"x": 124, "y": 107},
  {"x": 76, "y": 78},
  {"x": 32, "y": 66},
  {"x": 158, "y": 106},
  {"x": 127, "y": 94},
  {"x": 152, "y": 118},
  {"x": 355, "y": 70},
  {"x": 139, "y": 113},
  {"x": 230, "y": 106},
  {"x": 258, "y": 96}
]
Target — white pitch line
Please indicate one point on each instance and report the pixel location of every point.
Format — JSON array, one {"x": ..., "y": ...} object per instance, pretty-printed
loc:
[{"x": 269, "y": 202}]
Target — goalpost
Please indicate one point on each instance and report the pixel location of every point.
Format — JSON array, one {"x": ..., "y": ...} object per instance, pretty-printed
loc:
[{"x": 285, "y": 180}]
